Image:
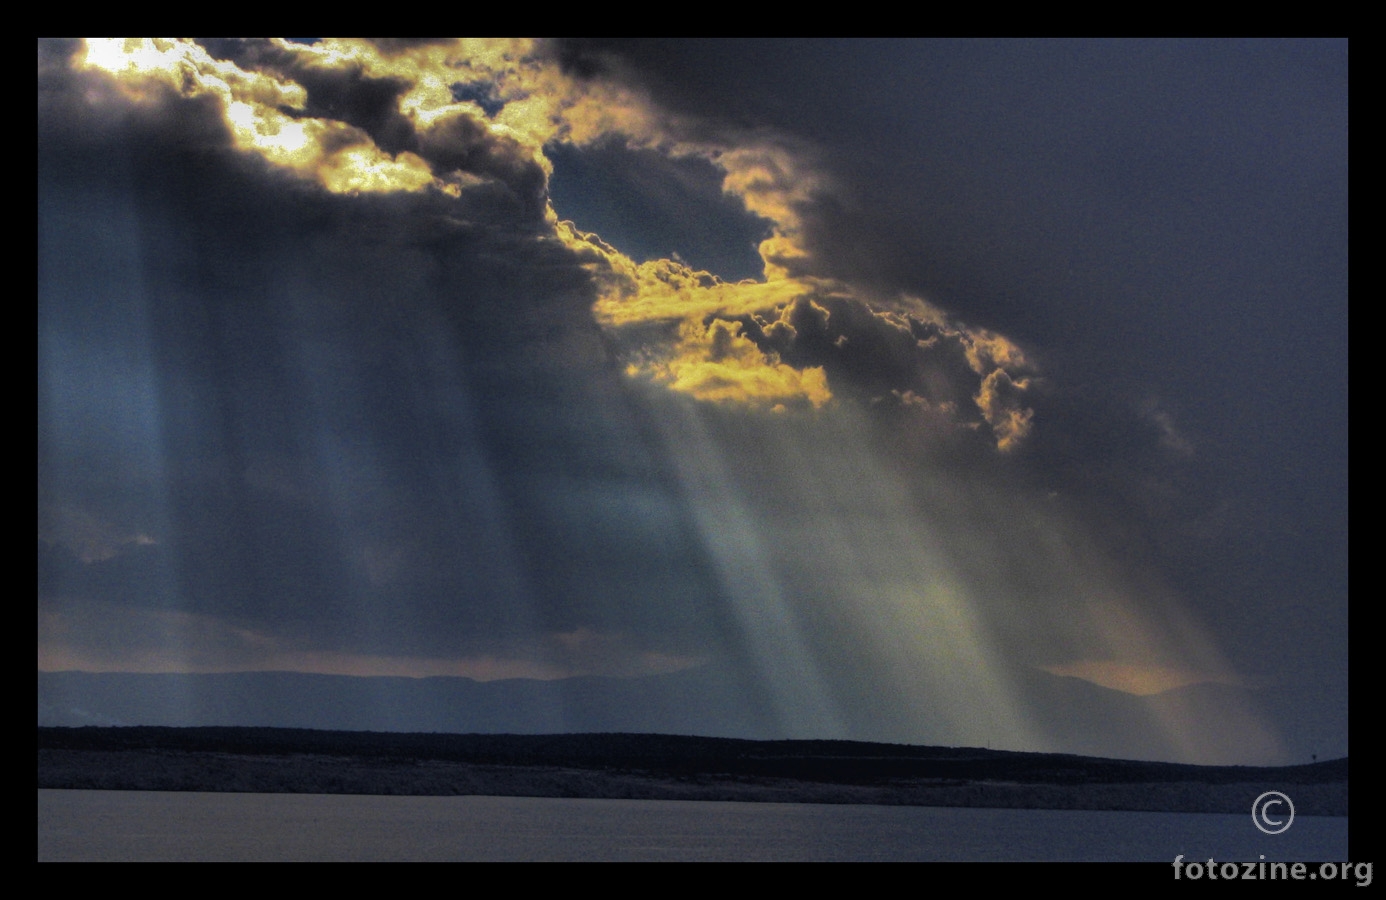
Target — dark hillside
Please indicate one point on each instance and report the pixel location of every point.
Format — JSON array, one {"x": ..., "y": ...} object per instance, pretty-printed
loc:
[{"x": 640, "y": 765}]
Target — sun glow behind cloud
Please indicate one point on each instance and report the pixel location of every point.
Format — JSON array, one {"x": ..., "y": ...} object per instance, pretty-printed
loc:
[
  {"x": 914, "y": 571},
  {"x": 1130, "y": 678},
  {"x": 539, "y": 104}
]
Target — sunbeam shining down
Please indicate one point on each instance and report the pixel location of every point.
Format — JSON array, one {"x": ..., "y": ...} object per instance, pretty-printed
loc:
[{"x": 945, "y": 392}]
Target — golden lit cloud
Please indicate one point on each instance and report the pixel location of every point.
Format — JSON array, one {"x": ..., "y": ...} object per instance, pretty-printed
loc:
[
  {"x": 338, "y": 156},
  {"x": 438, "y": 89},
  {"x": 718, "y": 363},
  {"x": 666, "y": 290},
  {"x": 987, "y": 350},
  {"x": 999, "y": 401},
  {"x": 139, "y": 63},
  {"x": 712, "y": 360}
]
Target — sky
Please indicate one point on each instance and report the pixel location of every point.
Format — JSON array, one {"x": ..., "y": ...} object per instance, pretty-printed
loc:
[{"x": 894, "y": 382}]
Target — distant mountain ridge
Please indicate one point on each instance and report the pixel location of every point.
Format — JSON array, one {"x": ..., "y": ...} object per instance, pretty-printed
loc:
[
  {"x": 1083, "y": 718},
  {"x": 685, "y": 703}
]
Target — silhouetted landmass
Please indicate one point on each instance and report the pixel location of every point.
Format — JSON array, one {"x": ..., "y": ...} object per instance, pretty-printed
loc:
[
  {"x": 652, "y": 766},
  {"x": 1085, "y": 719}
]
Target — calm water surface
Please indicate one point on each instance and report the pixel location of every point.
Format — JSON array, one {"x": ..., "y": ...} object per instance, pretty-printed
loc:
[{"x": 151, "y": 825}]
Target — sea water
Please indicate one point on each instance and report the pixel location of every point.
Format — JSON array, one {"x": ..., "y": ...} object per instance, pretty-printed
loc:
[{"x": 154, "y": 825}]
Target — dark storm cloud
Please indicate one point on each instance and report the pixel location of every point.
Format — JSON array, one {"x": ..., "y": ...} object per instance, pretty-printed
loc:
[
  {"x": 1161, "y": 225},
  {"x": 348, "y": 94},
  {"x": 369, "y": 422},
  {"x": 1040, "y": 379},
  {"x": 868, "y": 355},
  {"x": 1088, "y": 195}
]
